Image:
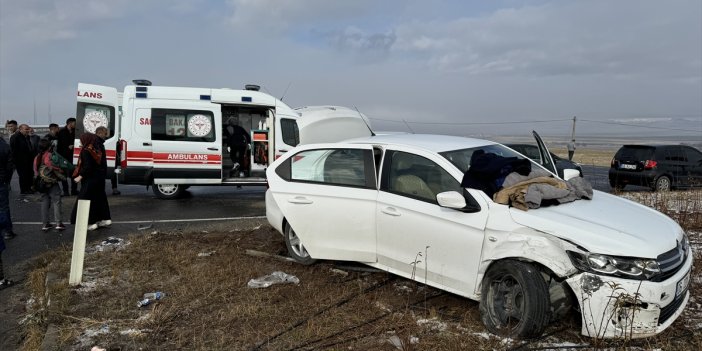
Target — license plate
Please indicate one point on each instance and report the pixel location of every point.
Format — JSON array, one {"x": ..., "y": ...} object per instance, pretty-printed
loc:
[
  {"x": 625, "y": 166},
  {"x": 682, "y": 284}
]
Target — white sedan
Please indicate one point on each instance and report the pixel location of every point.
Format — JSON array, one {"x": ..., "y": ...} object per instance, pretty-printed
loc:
[{"x": 384, "y": 199}]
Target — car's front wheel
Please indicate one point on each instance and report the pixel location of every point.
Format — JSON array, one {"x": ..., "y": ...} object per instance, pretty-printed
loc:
[
  {"x": 296, "y": 249},
  {"x": 662, "y": 184},
  {"x": 514, "y": 300}
]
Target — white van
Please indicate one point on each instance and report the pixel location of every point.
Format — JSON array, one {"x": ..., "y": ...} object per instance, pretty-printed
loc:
[{"x": 173, "y": 137}]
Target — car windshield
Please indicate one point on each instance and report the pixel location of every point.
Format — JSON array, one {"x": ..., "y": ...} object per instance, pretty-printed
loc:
[
  {"x": 635, "y": 153},
  {"x": 461, "y": 158}
]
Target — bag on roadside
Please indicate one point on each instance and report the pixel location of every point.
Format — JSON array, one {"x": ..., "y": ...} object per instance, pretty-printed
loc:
[{"x": 61, "y": 162}]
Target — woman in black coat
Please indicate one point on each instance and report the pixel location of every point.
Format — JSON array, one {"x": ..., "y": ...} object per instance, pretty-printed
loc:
[{"x": 90, "y": 173}]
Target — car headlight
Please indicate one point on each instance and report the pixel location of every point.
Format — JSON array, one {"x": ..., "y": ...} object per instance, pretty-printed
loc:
[{"x": 624, "y": 267}]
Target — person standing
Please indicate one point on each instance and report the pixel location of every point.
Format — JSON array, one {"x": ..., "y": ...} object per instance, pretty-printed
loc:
[
  {"x": 51, "y": 174},
  {"x": 4, "y": 283},
  {"x": 53, "y": 132},
  {"x": 66, "y": 137},
  {"x": 23, "y": 153},
  {"x": 34, "y": 139},
  {"x": 571, "y": 149},
  {"x": 10, "y": 127},
  {"x": 7, "y": 167},
  {"x": 238, "y": 141},
  {"x": 103, "y": 133},
  {"x": 90, "y": 173}
]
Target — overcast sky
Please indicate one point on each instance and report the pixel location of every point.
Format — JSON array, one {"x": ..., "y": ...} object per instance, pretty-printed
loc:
[{"x": 427, "y": 66}]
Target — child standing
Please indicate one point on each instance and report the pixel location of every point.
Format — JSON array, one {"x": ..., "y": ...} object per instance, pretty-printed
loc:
[{"x": 51, "y": 196}]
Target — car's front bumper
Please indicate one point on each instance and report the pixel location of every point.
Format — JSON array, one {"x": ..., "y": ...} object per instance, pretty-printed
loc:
[{"x": 613, "y": 307}]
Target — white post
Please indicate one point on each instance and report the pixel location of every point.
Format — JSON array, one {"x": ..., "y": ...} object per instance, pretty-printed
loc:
[{"x": 79, "y": 235}]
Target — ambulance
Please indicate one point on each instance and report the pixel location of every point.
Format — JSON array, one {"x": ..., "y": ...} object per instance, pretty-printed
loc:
[{"x": 170, "y": 138}]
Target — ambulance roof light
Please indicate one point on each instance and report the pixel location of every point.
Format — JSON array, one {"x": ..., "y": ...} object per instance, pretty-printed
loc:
[
  {"x": 252, "y": 87},
  {"x": 144, "y": 82}
]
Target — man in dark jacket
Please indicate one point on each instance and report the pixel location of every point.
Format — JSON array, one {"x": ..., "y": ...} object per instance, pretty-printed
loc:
[
  {"x": 23, "y": 153},
  {"x": 66, "y": 138},
  {"x": 6, "y": 169},
  {"x": 53, "y": 132}
]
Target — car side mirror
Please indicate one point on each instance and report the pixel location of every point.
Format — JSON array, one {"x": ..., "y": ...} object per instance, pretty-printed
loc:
[
  {"x": 456, "y": 201},
  {"x": 570, "y": 173}
]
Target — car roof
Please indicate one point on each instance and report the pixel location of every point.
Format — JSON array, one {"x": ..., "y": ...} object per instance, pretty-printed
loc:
[{"x": 430, "y": 142}]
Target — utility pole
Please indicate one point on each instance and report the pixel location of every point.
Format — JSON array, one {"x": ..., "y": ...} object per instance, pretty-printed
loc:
[
  {"x": 572, "y": 134},
  {"x": 49, "y": 107}
]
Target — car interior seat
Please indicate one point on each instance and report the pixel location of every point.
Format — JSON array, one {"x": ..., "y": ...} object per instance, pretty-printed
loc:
[{"x": 403, "y": 181}]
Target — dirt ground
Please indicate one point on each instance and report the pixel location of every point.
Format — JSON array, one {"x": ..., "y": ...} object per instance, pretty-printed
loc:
[{"x": 208, "y": 305}]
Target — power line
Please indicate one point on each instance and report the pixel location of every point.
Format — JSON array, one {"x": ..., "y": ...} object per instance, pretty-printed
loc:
[
  {"x": 533, "y": 121},
  {"x": 640, "y": 126},
  {"x": 469, "y": 123}
]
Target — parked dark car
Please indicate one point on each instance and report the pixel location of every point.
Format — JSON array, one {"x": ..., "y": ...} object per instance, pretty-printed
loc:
[
  {"x": 660, "y": 167},
  {"x": 532, "y": 152}
]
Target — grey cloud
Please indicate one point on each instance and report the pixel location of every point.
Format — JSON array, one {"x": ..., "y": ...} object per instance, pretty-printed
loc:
[
  {"x": 571, "y": 38},
  {"x": 356, "y": 41}
]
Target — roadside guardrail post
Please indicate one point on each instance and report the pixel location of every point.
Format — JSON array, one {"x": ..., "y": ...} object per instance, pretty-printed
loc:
[{"x": 79, "y": 236}]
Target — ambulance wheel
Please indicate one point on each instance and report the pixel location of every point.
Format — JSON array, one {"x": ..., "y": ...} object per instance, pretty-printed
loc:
[
  {"x": 296, "y": 250},
  {"x": 168, "y": 191}
]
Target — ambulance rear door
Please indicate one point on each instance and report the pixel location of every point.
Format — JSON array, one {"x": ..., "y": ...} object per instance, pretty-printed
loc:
[
  {"x": 97, "y": 106},
  {"x": 186, "y": 139}
]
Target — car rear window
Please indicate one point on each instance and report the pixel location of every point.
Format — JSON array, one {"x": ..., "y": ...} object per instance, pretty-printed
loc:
[{"x": 635, "y": 153}]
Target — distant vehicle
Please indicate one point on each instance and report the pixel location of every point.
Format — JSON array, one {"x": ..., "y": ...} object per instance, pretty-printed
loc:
[
  {"x": 659, "y": 167},
  {"x": 532, "y": 152},
  {"x": 386, "y": 200}
]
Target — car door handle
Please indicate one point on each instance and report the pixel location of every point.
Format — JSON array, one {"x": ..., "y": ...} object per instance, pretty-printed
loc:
[
  {"x": 390, "y": 211},
  {"x": 301, "y": 200},
  {"x": 213, "y": 148},
  {"x": 146, "y": 144}
]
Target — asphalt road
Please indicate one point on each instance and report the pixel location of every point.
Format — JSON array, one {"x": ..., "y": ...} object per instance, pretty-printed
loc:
[{"x": 137, "y": 208}]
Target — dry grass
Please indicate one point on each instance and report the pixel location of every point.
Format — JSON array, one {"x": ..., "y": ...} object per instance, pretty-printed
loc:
[{"x": 209, "y": 306}]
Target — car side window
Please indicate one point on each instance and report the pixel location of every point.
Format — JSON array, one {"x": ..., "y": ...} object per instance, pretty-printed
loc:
[
  {"x": 675, "y": 153},
  {"x": 347, "y": 167},
  {"x": 415, "y": 176},
  {"x": 693, "y": 156},
  {"x": 182, "y": 125}
]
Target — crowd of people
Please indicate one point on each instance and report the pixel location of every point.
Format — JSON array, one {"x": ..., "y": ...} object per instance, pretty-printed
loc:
[{"x": 33, "y": 159}]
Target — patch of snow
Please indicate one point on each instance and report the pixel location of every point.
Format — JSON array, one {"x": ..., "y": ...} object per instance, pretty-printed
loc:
[
  {"x": 483, "y": 335},
  {"x": 402, "y": 288},
  {"x": 110, "y": 244},
  {"x": 91, "y": 333},
  {"x": 132, "y": 332},
  {"x": 432, "y": 324},
  {"x": 382, "y": 306}
]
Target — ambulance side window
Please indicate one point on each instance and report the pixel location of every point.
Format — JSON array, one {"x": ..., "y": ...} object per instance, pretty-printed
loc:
[
  {"x": 182, "y": 125},
  {"x": 289, "y": 131}
]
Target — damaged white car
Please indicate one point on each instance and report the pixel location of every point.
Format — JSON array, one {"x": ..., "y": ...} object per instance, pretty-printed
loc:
[{"x": 386, "y": 200}]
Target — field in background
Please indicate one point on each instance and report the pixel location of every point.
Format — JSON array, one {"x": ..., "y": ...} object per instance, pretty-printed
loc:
[{"x": 209, "y": 306}]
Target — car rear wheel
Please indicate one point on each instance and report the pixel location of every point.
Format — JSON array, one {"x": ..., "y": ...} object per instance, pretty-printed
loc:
[
  {"x": 295, "y": 248},
  {"x": 168, "y": 191},
  {"x": 662, "y": 184},
  {"x": 514, "y": 300}
]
